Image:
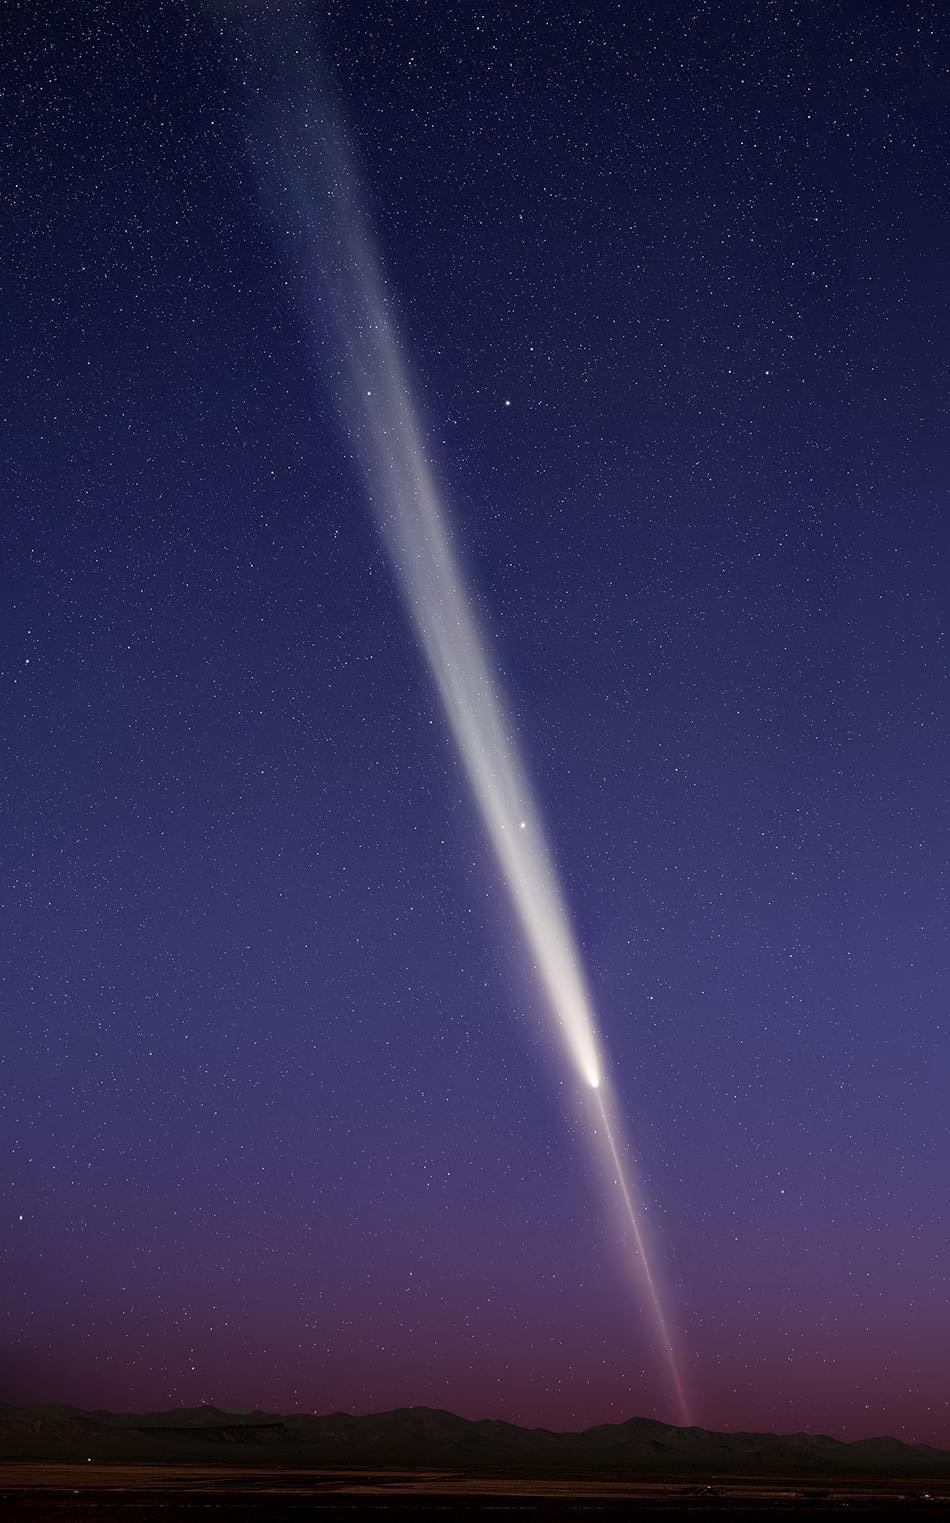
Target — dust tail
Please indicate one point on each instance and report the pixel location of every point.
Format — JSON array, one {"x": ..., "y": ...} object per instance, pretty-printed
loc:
[
  {"x": 646, "y": 1275},
  {"x": 311, "y": 180}
]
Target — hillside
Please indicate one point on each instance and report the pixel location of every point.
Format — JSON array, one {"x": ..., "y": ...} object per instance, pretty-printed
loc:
[{"x": 422, "y": 1437}]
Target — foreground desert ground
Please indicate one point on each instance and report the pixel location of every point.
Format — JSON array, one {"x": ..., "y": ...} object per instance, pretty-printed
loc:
[{"x": 33, "y": 1493}]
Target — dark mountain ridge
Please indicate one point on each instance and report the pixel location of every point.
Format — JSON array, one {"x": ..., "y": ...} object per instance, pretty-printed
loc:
[{"x": 421, "y": 1437}]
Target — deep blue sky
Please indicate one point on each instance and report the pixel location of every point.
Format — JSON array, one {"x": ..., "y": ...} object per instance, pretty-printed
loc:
[{"x": 283, "y": 1131}]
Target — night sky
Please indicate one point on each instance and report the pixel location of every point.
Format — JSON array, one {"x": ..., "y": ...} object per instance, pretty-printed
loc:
[{"x": 282, "y": 1127}]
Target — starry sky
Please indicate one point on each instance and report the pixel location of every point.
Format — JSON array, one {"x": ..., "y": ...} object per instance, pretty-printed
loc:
[{"x": 281, "y": 1126}]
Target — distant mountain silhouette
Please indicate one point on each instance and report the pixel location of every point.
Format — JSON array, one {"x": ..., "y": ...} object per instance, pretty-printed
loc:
[{"x": 420, "y": 1437}]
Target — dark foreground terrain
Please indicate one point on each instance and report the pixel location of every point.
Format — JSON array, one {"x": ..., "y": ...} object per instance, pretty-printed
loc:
[
  {"x": 35, "y": 1493},
  {"x": 61, "y": 1463}
]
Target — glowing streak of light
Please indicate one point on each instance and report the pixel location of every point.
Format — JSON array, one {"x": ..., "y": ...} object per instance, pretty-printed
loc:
[
  {"x": 318, "y": 184},
  {"x": 378, "y": 404},
  {"x": 646, "y": 1271}
]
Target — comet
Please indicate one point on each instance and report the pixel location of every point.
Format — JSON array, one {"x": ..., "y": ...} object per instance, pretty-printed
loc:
[{"x": 315, "y": 190}]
